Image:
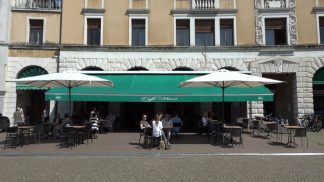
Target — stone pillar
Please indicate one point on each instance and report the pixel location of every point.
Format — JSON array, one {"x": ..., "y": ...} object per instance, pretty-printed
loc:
[{"x": 305, "y": 87}]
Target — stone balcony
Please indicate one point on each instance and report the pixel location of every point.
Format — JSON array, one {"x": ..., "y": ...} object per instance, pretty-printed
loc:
[
  {"x": 36, "y": 4},
  {"x": 204, "y": 4}
]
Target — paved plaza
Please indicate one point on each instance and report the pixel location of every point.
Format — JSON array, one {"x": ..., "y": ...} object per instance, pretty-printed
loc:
[{"x": 119, "y": 157}]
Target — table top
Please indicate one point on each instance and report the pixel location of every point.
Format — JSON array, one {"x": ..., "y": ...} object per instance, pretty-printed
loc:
[
  {"x": 293, "y": 127},
  {"x": 76, "y": 126},
  {"x": 268, "y": 122},
  {"x": 25, "y": 127},
  {"x": 230, "y": 127}
]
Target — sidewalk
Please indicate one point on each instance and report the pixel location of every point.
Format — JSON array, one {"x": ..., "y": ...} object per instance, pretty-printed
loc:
[{"x": 127, "y": 144}]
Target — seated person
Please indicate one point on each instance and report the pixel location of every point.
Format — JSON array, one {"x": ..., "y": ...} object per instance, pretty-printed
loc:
[
  {"x": 110, "y": 121},
  {"x": 203, "y": 127},
  {"x": 177, "y": 123},
  {"x": 144, "y": 123},
  {"x": 57, "y": 128}
]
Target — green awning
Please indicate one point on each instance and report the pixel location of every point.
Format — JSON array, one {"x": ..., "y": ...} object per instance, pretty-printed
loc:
[
  {"x": 318, "y": 78},
  {"x": 157, "y": 88},
  {"x": 20, "y": 86}
]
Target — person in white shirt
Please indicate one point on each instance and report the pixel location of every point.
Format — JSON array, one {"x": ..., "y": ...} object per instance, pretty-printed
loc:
[{"x": 157, "y": 125}]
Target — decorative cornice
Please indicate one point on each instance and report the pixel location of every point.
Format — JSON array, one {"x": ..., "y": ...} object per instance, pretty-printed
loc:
[
  {"x": 204, "y": 12},
  {"x": 34, "y": 10}
]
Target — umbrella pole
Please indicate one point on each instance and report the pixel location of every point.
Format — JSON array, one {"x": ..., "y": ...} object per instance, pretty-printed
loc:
[
  {"x": 223, "y": 115},
  {"x": 70, "y": 103}
]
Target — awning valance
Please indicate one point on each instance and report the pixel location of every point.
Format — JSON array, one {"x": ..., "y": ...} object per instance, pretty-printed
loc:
[
  {"x": 157, "y": 88},
  {"x": 318, "y": 78}
]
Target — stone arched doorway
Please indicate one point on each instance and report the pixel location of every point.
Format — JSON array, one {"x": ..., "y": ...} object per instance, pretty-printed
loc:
[
  {"x": 137, "y": 68},
  {"x": 318, "y": 91},
  {"x": 92, "y": 68},
  {"x": 32, "y": 99}
]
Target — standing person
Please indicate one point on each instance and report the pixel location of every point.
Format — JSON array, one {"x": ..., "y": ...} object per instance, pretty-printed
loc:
[
  {"x": 167, "y": 126},
  {"x": 157, "y": 128},
  {"x": 22, "y": 115},
  {"x": 204, "y": 123},
  {"x": 93, "y": 113},
  {"x": 17, "y": 117}
]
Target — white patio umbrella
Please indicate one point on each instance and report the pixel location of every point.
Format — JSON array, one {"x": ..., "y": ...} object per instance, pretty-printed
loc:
[
  {"x": 68, "y": 79},
  {"x": 224, "y": 79}
]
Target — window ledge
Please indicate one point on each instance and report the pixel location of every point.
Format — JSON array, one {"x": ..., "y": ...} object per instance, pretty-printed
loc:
[
  {"x": 318, "y": 9},
  {"x": 138, "y": 11}
]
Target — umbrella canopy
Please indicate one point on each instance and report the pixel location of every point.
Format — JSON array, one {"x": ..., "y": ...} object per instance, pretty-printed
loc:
[
  {"x": 224, "y": 79},
  {"x": 68, "y": 79},
  {"x": 65, "y": 79}
]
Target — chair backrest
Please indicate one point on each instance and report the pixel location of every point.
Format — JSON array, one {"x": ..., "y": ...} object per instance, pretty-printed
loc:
[
  {"x": 256, "y": 123},
  {"x": 67, "y": 130},
  {"x": 177, "y": 125},
  {"x": 148, "y": 131},
  {"x": 212, "y": 126},
  {"x": 13, "y": 129},
  {"x": 236, "y": 132},
  {"x": 273, "y": 127},
  {"x": 39, "y": 129},
  {"x": 300, "y": 132}
]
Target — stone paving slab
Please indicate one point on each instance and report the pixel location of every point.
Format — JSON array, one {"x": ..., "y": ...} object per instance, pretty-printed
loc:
[{"x": 127, "y": 144}]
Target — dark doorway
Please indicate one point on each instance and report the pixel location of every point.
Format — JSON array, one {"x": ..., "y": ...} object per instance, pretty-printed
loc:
[
  {"x": 284, "y": 96},
  {"x": 33, "y": 104},
  {"x": 187, "y": 113},
  {"x": 132, "y": 114}
]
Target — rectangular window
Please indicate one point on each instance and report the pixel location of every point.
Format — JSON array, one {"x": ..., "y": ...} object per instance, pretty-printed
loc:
[
  {"x": 183, "y": 32},
  {"x": 321, "y": 26},
  {"x": 205, "y": 32},
  {"x": 93, "y": 31},
  {"x": 276, "y": 31},
  {"x": 138, "y": 32},
  {"x": 36, "y": 29},
  {"x": 226, "y": 32}
]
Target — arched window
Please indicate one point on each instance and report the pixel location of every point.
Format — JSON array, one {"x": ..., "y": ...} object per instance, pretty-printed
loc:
[
  {"x": 92, "y": 68},
  {"x": 230, "y": 68},
  {"x": 31, "y": 71},
  {"x": 137, "y": 68},
  {"x": 182, "y": 68}
]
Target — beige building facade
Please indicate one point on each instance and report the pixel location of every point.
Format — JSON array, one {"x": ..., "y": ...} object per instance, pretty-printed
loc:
[{"x": 280, "y": 39}]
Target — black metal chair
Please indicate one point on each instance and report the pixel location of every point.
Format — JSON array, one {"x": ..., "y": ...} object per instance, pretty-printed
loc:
[
  {"x": 301, "y": 133},
  {"x": 148, "y": 138},
  {"x": 236, "y": 133},
  {"x": 274, "y": 129},
  {"x": 67, "y": 137},
  {"x": 38, "y": 132},
  {"x": 214, "y": 130},
  {"x": 255, "y": 127},
  {"x": 11, "y": 137}
]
